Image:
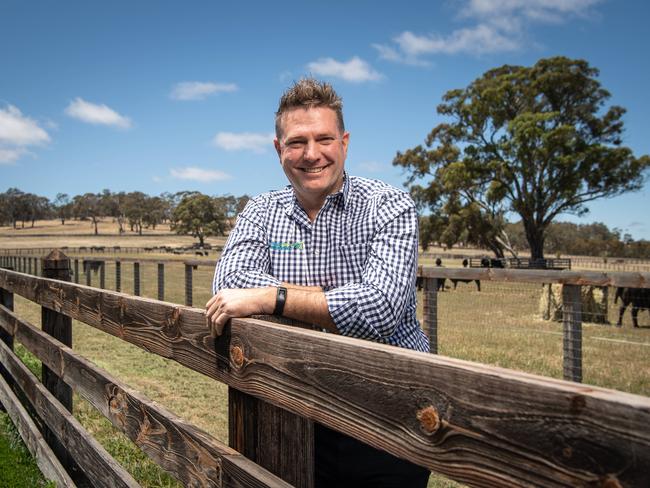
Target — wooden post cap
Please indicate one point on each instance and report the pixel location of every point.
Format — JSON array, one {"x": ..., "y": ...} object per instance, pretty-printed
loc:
[{"x": 56, "y": 260}]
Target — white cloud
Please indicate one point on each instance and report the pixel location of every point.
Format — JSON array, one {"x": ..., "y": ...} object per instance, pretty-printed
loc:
[
  {"x": 246, "y": 141},
  {"x": 17, "y": 132},
  {"x": 9, "y": 155},
  {"x": 355, "y": 70},
  {"x": 535, "y": 10},
  {"x": 198, "y": 174},
  {"x": 199, "y": 90},
  {"x": 96, "y": 114},
  {"x": 496, "y": 26}
]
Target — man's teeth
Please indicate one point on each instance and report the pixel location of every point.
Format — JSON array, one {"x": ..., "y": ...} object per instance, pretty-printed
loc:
[{"x": 313, "y": 170}]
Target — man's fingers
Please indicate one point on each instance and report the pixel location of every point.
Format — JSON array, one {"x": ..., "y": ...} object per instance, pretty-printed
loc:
[
  {"x": 217, "y": 324},
  {"x": 211, "y": 301}
]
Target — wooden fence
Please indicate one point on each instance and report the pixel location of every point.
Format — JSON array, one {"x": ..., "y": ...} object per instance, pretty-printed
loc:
[
  {"x": 571, "y": 281},
  {"x": 481, "y": 425}
]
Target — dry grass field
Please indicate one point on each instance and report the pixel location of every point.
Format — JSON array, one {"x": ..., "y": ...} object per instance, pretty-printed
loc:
[{"x": 501, "y": 325}]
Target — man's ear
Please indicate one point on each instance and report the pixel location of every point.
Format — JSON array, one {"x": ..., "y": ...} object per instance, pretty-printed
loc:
[
  {"x": 276, "y": 143},
  {"x": 346, "y": 141}
]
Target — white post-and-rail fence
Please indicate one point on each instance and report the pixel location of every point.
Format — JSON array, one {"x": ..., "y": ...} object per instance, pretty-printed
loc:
[{"x": 478, "y": 424}]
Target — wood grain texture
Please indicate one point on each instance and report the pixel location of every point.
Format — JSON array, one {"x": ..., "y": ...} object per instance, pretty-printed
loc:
[
  {"x": 57, "y": 265},
  {"x": 45, "y": 458},
  {"x": 255, "y": 425},
  {"x": 97, "y": 464},
  {"x": 594, "y": 278},
  {"x": 481, "y": 425},
  {"x": 189, "y": 454}
]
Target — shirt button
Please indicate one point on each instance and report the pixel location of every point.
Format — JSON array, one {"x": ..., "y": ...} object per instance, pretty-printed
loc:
[{"x": 316, "y": 253}]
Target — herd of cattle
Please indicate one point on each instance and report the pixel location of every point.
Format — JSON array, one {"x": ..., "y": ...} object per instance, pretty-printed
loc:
[{"x": 638, "y": 298}]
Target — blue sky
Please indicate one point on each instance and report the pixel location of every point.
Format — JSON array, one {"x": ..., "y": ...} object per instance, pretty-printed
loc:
[{"x": 169, "y": 96}]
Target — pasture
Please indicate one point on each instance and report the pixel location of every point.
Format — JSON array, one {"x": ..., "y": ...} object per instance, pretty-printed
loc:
[{"x": 501, "y": 325}]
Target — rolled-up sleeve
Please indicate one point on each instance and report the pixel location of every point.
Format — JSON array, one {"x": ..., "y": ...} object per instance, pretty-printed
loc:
[
  {"x": 245, "y": 261},
  {"x": 374, "y": 307}
]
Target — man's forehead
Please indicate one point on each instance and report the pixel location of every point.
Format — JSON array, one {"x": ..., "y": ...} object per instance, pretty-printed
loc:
[{"x": 299, "y": 117}]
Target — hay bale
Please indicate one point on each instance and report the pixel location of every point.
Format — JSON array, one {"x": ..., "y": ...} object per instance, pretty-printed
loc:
[{"x": 594, "y": 303}]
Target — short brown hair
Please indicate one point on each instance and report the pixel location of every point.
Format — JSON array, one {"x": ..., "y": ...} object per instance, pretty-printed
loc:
[{"x": 309, "y": 93}]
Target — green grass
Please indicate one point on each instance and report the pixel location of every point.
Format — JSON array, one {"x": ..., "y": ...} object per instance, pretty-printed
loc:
[
  {"x": 499, "y": 326},
  {"x": 18, "y": 468}
]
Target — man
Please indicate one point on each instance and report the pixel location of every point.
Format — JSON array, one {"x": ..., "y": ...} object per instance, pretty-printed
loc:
[{"x": 330, "y": 249}]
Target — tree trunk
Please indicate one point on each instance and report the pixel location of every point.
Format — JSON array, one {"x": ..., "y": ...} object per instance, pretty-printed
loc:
[
  {"x": 62, "y": 221},
  {"x": 95, "y": 223},
  {"x": 535, "y": 237}
]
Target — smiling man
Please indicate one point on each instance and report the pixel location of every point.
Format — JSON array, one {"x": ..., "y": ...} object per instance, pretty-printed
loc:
[{"x": 330, "y": 249}]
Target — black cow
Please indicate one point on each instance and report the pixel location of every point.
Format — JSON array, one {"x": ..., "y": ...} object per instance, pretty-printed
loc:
[
  {"x": 455, "y": 281},
  {"x": 92, "y": 265},
  {"x": 639, "y": 298}
]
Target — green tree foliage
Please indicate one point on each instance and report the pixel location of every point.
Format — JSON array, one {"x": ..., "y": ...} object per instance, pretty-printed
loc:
[
  {"x": 535, "y": 141},
  {"x": 594, "y": 239},
  {"x": 89, "y": 206},
  {"x": 62, "y": 206},
  {"x": 199, "y": 216}
]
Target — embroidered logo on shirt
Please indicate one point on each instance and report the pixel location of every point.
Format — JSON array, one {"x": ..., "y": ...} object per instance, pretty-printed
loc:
[{"x": 286, "y": 246}]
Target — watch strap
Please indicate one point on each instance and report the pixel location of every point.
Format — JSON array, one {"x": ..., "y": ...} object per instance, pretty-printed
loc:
[{"x": 280, "y": 300}]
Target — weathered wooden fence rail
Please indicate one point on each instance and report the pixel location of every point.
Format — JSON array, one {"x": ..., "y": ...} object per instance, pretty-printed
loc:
[
  {"x": 571, "y": 282},
  {"x": 481, "y": 425}
]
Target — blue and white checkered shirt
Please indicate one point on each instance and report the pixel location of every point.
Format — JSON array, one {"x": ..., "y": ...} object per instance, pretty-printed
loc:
[{"x": 361, "y": 249}]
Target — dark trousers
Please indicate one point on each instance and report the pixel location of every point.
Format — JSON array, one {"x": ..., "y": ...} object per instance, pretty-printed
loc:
[{"x": 344, "y": 462}]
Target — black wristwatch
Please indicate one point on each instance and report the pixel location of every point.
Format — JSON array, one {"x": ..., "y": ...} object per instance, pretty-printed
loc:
[{"x": 280, "y": 300}]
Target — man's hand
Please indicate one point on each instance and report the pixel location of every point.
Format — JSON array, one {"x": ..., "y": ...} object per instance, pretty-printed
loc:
[{"x": 232, "y": 303}]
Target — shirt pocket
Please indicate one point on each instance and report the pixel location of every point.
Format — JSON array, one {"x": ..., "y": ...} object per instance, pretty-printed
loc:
[{"x": 353, "y": 261}]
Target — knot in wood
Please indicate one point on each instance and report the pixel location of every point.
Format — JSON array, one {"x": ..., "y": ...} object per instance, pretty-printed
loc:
[
  {"x": 611, "y": 482},
  {"x": 567, "y": 452},
  {"x": 429, "y": 420},
  {"x": 237, "y": 356}
]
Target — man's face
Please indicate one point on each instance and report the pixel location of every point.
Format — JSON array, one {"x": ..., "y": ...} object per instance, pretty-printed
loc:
[{"x": 312, "y": 152}]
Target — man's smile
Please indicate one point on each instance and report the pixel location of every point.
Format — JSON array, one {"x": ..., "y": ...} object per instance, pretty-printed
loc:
[{"x": 314, "y": 170}]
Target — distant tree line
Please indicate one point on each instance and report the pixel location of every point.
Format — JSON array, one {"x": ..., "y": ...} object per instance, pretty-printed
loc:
[
  {"x": 562, "y": 238},
  {"x": 187, "y": 212}
]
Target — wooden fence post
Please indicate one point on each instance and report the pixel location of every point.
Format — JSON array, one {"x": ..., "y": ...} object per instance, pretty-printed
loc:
[
  {"x": 102, "y": 275},
  {"x": 57, "y": 266},
  {"x": 118, "y": 275},
  {"x": 277, "y": 440},
  {"x": 6, "y": 300},
  {"x": 430, "y": 304},
  {"x": 572, "y": 332},
  {"x": 136, "y": 279},
  {"x": 87, "y": 267},
  {"x": 161, "y": 281},
  {"x": 188, "y": 285},
  {"x": 76, "y": 271}
]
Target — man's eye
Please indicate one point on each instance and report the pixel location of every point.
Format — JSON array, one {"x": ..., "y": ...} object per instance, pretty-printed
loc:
[
  {"x": 296, "y": 144},
  {"x": 326, "y": 141}
]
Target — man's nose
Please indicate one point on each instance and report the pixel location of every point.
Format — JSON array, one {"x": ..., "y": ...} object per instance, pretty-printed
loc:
[{"x": 312, "y": 151}]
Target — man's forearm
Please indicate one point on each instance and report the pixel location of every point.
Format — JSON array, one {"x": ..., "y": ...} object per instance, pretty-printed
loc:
[
  {"x": 308, "y": 304},
  {"x": 304, "y": 303}
]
